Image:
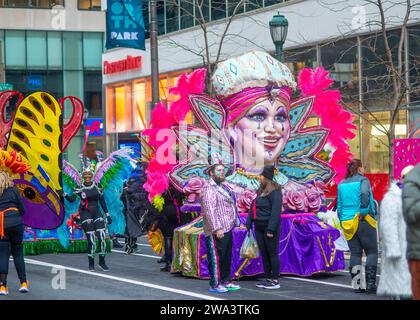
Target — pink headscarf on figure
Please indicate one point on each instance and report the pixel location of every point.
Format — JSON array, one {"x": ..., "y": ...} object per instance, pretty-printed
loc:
[{"x": 238, "y": 104}]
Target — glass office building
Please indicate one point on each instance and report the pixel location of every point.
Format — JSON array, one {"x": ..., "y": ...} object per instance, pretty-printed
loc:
[{"x": 64, "y": 61}]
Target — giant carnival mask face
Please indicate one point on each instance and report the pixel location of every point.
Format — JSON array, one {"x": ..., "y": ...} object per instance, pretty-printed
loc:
[{"x": 260, "y": 135}]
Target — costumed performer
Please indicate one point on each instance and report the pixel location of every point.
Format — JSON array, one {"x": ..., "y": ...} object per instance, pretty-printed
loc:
[{"x": 96, "y": 193}]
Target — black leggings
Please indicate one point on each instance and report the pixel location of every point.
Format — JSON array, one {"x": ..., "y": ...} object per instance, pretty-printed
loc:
[
  {"x": 366, "y": 240},
  {"x": 93, "y": 225},
  {"x": 269, "y": 248},
  {"x": 12, "y": 243}
]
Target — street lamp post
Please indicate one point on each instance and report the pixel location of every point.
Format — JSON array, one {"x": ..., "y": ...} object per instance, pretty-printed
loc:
[
  {"x": 154, "y": 53},
  {"x": 278, "y": 31}
]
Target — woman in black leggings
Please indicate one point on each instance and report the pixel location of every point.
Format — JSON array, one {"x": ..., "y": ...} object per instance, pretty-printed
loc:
[
  {"x": 265, "y": 215},
  {"x": 11, "y": 232}
]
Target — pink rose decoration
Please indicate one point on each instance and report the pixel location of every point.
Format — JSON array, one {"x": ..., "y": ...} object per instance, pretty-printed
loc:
[
  {"x": 194, "y": 185},
  {"x": 245, "y": 200},
  {"x": 320, "y": 186},
  {"x": 313, "y": 200},
  {"x": 193, "y": 188},
  {"x": 295, "y": 200}
]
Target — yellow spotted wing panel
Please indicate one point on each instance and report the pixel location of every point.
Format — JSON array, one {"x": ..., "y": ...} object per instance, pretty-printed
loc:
[{"x": 37, "y": 134}]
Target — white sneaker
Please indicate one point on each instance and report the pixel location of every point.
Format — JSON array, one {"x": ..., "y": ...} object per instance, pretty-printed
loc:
[
  {"x": 270, "y": 285},
  {"x": 218, "y": 289},
  {"x": 4, "y": 291},
  {"x": 24, "y": 287}
]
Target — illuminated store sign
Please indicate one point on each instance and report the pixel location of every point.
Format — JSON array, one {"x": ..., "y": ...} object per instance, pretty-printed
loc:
[{"x": 130, "y": 63}]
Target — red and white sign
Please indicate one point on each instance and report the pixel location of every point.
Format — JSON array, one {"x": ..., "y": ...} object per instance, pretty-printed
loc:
[{"x": 130, "y": 63}]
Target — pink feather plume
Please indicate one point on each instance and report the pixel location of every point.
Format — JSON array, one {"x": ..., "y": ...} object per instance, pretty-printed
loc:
[
  {"x": 333, "y": 116},
  {"x": 157, "y": 173}
]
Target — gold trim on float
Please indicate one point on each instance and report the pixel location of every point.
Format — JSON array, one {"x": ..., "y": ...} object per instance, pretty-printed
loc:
[{"x": 241, "y": 268}]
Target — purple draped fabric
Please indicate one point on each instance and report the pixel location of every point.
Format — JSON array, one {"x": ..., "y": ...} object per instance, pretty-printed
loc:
[{"x": 306, "y": 247}]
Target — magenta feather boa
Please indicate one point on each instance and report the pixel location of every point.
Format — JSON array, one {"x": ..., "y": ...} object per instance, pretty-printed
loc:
[{"x": 327, "y": 106}]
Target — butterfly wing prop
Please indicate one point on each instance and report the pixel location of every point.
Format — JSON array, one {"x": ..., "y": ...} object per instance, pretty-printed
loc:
[
  {"x": 111, "y": 175},
  {"x": 37, "y": 135}
]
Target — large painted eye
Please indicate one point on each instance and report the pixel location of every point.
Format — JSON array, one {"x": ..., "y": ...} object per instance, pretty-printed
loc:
[
  {"x": 259, "y": 117},
  {"x": 30, "y": 193},
  {"x": 281, "y": 117}
]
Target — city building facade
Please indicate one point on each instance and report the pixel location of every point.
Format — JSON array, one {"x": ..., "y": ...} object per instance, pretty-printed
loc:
[
  {"x": 56, "y": 46},
  {"x": 334, "y": 34}
]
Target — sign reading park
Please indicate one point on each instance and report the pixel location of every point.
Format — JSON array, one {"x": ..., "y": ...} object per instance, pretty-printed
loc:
[{"x": 124, "y": 24}]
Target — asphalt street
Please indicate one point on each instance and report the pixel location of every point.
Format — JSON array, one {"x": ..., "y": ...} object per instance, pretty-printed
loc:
[{"x": 138, "y": 276}]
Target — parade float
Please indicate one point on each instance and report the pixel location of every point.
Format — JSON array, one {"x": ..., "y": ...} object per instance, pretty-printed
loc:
[
  {"x": 232, "y": 125},
  {"x": 36, "y": 130}
]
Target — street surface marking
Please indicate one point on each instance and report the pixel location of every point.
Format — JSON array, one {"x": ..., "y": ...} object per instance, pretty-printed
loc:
[
  {"x": 139, "y": 244},
  {"x": 317, "y": 281},
  {"x": 139, "y": 283},
  {"x": 292, "y": 278},
  {"x": 136, "y": 254}
]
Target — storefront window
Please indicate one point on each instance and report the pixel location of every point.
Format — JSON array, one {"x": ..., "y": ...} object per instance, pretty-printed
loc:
[
  {"x": 202, "y": 10},
  {"x": 355, "y": 142},
  {"x": 120, "y": 115},
  {"x": 72, "y": 49},
  {"x": 55, "y": 52},
  {"x": 218, "y": 9},
  {"x": 300, "y": 58},
  {"x": 187, "y": 14},
  {"x": 160, "y": 10},
  {"x": 341, "y": 60},
  {"x": 146, "y": 18},
  {"x": 89, "y": 4},
  {"x": 253, "y": 4},
  {"x": 36, "y": 49},
  {"x": 15, "y": 49},
  {"x": 271, "y": 2},
  {"x": 93, "y": 92},
  {"x": 232, "y": 4},
  {"x": 139, "y": 97},
  {"x": 163, "y": 89},
  {"x": 92, "y": 50},
  {"x": 375, "y": 142},
  {"x": 172, "y": 21},
  {"x": 376, "y": 81},
  {"x": 414, "y": 57},
  {"x": 41, "y": 4}
]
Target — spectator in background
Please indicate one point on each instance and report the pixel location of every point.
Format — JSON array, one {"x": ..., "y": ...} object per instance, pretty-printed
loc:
[
  {"x": 395, "y": 281},
  {"x": 411, "y": 212}
]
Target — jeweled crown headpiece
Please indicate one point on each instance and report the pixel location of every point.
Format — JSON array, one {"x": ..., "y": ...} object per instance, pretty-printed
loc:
[{"x": 242, "y": 81}]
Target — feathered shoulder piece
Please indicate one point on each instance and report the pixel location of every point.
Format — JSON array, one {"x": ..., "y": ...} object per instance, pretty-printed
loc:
[
  {"x": 117, "y": 165},
  {"x": 71, "y": 176},
  {"x": 12, "y": 163}
]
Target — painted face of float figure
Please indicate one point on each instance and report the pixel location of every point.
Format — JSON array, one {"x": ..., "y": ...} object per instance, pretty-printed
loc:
[{"x": 260, "y": 136}]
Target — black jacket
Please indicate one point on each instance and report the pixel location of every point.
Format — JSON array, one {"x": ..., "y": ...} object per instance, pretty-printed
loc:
[
  {"x": 11, "y": 199},
  {"x": 268, "y": 210}
]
